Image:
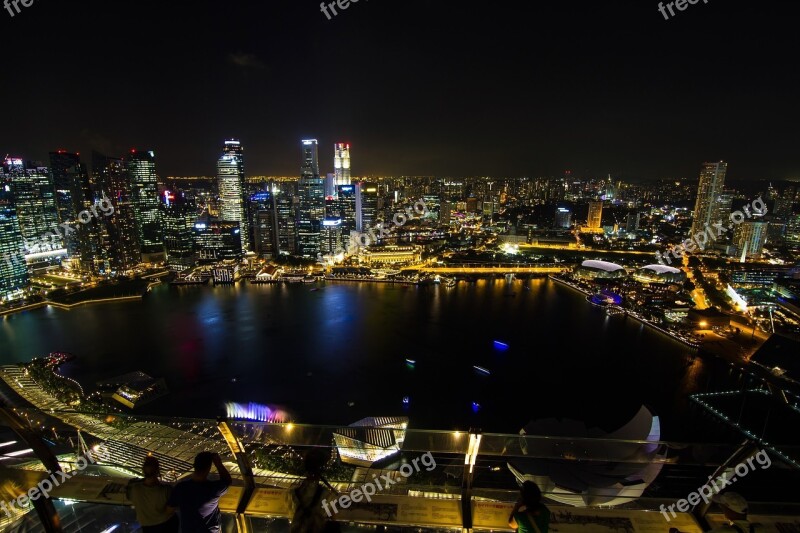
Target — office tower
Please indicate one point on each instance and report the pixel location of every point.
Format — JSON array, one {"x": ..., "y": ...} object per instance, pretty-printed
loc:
[
  {"x": 341, "y": 164},
  {"x": 749, "y": 238},
  {"x": 178, "y": 214},
  {"x": 632, "y": 221},
  {"x": 330, "y": 186},
  {"x": 366, "y": 206},
  {"x": 73, "y": 195},
  {"x": 312, "y": 201},
  {"x": 34, "y": 198},
  {"x": 445, "y": 212},
  {"x": 793, "y": 232},
  {"x": 67, "y": 184},
  {"x": 286, "y": 220},
  {"x": 595, "y": 219},
  {"x": 563, "y": 218},
  {"x": 707, "y": 205},
  {"x": 331, "y": 236},
  {"x": 141, "y": 168},
  {"x": 721, "y": 210},
  {"x": 344, "y": 208},
  {"x": 121, "y": 242},
  {"x": 263, "y": 222},
  {"x": 13, "y": 269},
  {"x": 217, "y": 240},
  {"x": 230, "y": 180}
]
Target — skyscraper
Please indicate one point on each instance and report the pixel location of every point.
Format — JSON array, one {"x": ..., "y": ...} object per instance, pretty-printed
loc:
[
  {"x": 230, "y": 180},
  {"x": 341, "y": 164},
  {"x": 366, "y": 206},
  {"x": 563, "y": 218},
  {"x": 35, "y": 203},
  {"x": 312, "y": 201},
  {"x": 595, "y": 220},
  {"x": 262, "y": 223},
  {"x": 73, "y": 195},
  {"x": 141, "y": 167},
  {"x": 13, "y": 270},
  {"x": 121, "y": 238},
  {"x": 286, "y": 220},
  {"x": 178, "y": 216},
  {"x": 66, "y": 183},
  {"x": 749, "y": 238},
  {"x": 709, "y": 192}
]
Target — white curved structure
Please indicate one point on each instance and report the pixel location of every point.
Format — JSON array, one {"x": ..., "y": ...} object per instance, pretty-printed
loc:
[{"x": 594, "y": 470}]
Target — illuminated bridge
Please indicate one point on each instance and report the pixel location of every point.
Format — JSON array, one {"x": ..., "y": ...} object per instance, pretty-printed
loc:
[{"x": 494, "y": 268}]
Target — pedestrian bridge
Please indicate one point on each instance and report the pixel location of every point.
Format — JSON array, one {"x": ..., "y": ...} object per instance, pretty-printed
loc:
[{"x": 493, "y": 268}]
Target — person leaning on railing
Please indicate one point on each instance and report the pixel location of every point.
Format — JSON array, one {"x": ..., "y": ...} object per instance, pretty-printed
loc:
[
  {"x": 530, "y": 515},
  {"x": 149, "y": 497}
]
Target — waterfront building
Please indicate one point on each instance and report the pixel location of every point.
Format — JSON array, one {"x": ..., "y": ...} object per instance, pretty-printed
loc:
[
  {"x": 600, "y": 270},
  {"x": 217, "y": 240},
  {"x": 34, "y": 199},
  {"x": 369, "y": 440},
  {"x": 141, "y": 167},
  {"x": 659, "y": 274},
  {"x": 13, "y": 270},
  {"x": 230, "y": 182},
  {"x": 392, "y": 254},
  {"x": 331, "y": 236},
  {"x": 262, "y": 213},
  {"x": 312, "y": 201},
  {"x": 121, "y": 236},
  {"x": 178, "y": 215}
]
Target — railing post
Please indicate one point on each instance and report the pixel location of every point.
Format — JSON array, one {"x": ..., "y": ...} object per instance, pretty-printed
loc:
[
  {"x": 44, "y": 507},
  {"x": 747, "y": 449},
  {"x": 466, "y": 485},
  {"x": 242, "y": 459}
]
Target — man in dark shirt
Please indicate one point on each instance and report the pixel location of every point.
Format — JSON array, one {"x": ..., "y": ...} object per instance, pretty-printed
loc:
[{"x": 197, "y": 497}]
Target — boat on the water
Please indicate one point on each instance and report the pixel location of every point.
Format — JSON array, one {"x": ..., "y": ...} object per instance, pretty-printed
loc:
[{"x": 481, "y": 370}]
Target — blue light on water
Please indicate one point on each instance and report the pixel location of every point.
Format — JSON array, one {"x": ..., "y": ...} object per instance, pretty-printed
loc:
[{"x": 502, "y": 346}]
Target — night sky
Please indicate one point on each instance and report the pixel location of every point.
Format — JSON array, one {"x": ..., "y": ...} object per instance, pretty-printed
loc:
[{"x": 419, "y": 87}]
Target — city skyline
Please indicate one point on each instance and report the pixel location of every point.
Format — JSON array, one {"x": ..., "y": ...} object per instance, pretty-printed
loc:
[{"x": 618, "y": 94}]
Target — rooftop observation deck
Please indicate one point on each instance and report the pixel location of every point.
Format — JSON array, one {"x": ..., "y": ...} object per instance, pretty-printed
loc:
[{"x": 430, "y": 479}]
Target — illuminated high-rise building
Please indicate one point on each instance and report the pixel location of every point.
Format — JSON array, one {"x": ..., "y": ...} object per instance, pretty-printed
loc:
[
  {"x": 35, "y": 203},
  {"x": 141, "y": 167},
  {"x": 312, "y": 201},
  {"x": 230, "y": 180},
  {"x": 366, "y": 206},
  {"x": 178, "y": 215},
  {"x": 749, "y": 239},
  {"x": 217, "y": 240},
  {"x": 13, "y": 270},
  {"x": 709, "y": 196},
  {"x": 341, "y": 164},
  {"x": 286, "y": 220},
  {"x": 563, "y": 218},
  {"x": 331, "y": 236},
  {"x": 67, "y": 184},
  {"x": 121, "y": 236},
  {"x": 595, "y": 219},
  {"x": 73, "y": 195},
  {"x": 262, "y": 225}
]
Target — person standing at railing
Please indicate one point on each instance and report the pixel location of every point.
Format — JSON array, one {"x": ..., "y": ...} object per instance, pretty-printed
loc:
[
  {"x": 530, "y": 515},
  {"x": 308, "y": 515},
  {"x": 149, "y": 497},
  {"x": 197, "y": 497}
]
